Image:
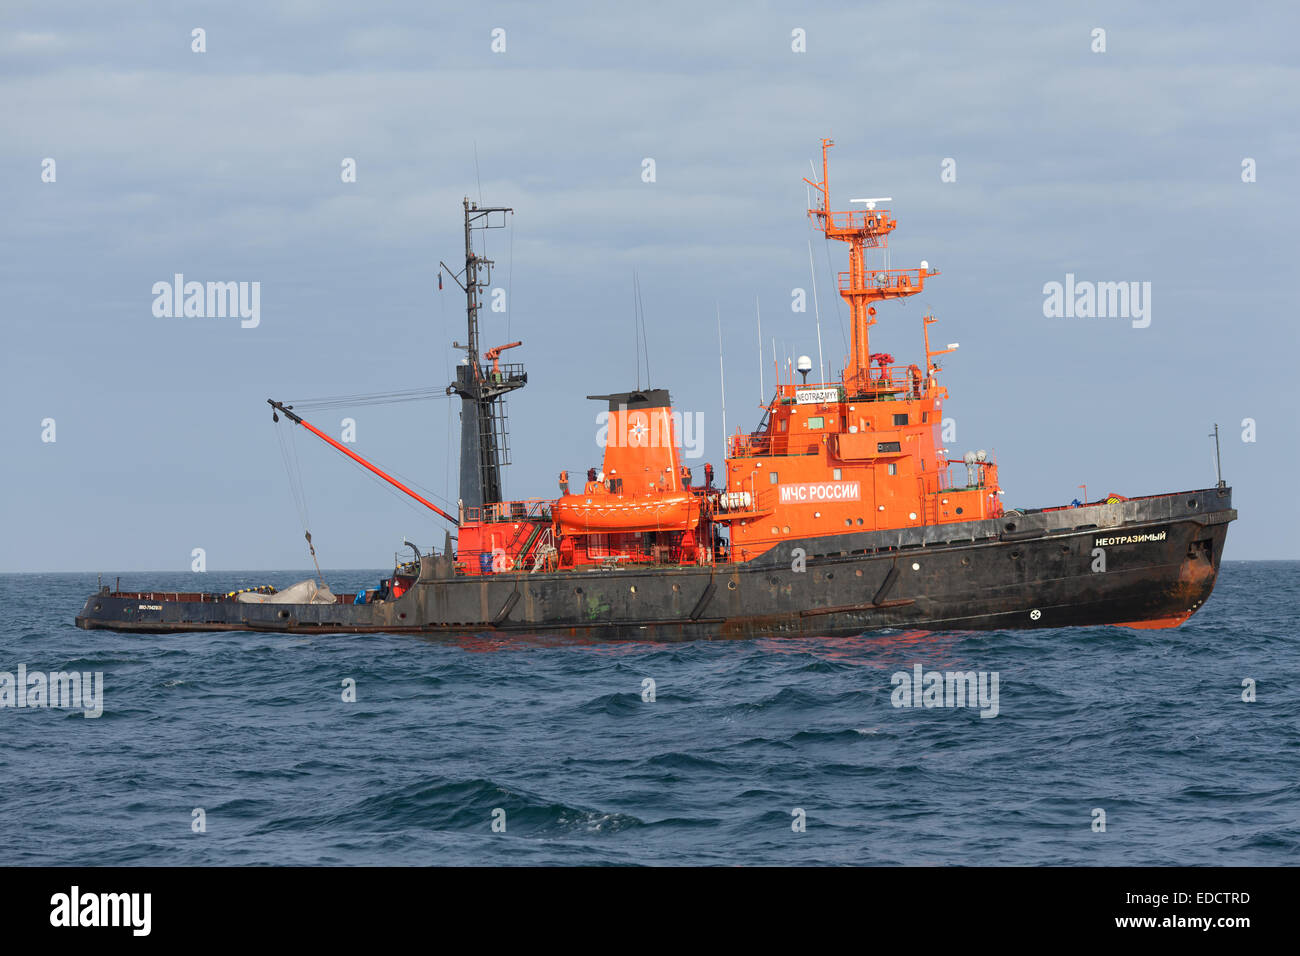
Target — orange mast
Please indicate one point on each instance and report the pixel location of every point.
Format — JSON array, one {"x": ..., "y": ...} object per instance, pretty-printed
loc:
[{"x": 861, "y": 286}]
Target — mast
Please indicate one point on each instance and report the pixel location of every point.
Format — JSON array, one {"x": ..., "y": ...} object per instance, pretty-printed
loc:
[
  {"x": 484, "y": 444},
  {"x": 1218, "y": 465},
  {"x": 860, "y": 286}
]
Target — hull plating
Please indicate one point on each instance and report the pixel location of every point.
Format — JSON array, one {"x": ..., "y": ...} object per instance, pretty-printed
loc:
[{"x": 1144, "y": 562}]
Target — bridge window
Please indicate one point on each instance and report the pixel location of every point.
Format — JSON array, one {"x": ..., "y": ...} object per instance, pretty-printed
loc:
[
  {"x": 836, "y": 474},
  {"x": 816, "y": 421},
  {"x": 884, "y": 447},
  {"x": 893, "y": 468},
  {"x": 900, "y": 419},
  {"x": 772, "y": 477}
]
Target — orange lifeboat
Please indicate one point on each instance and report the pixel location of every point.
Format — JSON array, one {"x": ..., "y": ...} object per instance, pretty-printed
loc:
[{"x": 600, "y": 511}]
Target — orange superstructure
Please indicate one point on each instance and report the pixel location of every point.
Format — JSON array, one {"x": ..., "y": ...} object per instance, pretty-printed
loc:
[
  {"x": 855, "y": 454},
  {"x": 858, "y": 454}
]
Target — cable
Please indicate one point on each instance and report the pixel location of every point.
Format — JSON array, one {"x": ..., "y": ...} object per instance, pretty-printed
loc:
[
  {"x": 510, "y": 275},
  {"x": 371, "y": 398}
]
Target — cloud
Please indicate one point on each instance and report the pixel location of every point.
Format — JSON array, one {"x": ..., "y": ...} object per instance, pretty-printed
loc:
[{"x": 26, "y": 43}]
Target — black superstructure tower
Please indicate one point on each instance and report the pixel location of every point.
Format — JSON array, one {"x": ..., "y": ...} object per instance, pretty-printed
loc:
[{"x": 484, "y": 442}]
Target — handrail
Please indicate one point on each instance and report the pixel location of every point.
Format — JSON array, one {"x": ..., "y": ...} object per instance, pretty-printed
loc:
[
  {"x": 894, "y": 279},
  {"x": 526, "y": 509},
  {"x": 878, "y": 222}
]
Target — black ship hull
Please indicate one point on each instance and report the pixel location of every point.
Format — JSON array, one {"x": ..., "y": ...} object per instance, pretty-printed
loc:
[{"x": 1146, "y": 562}]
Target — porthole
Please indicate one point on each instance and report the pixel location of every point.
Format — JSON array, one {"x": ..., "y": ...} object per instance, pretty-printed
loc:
[
  {"x": 1009, "y": 526},
  {"x": 577, "y": 590},
  {"x": 98, "y": 606},
  {"x": 402, "y": 615},
  {"x": 785, "y": 530},
  {"x": 284, "y": 614},
  {"x": 731, "y": 585},
  {"x": 677, "y": 587},
  {"x": 632, "y": 589},
  {"x": 965, "y": 561},
  {"x": 775, "y": 529},
  {"x": 1192, "y": 503},
  {"x": 1015, "y": 555},
  {"x": 959, "y": 509},
  {"x": 829, "y": 575},
  {"x": 848, "y": 522},
  {"x": 859, "y": 521},
  {"x": 775, "y": 581},
  {"x": 858, "y": 572}
]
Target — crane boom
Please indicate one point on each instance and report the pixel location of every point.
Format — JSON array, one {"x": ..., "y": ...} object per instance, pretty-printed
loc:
[{"x": 279, "y": 407}]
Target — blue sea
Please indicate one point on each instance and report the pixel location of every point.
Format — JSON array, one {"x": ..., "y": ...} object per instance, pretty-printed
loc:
[{"x": 754, "y": 752}]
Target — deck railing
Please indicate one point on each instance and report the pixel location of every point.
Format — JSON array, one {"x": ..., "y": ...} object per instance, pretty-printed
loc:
[
  {"x": 878, "y": 222},
  {"x": 886, "y": 280},
  {"x": 529, "y": 509}
]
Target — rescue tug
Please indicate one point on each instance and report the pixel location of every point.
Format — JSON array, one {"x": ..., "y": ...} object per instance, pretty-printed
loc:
[{"x": 840, "y": 513}]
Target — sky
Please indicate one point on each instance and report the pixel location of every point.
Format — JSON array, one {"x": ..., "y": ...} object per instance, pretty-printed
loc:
[{"x": 1016, "y": 152}]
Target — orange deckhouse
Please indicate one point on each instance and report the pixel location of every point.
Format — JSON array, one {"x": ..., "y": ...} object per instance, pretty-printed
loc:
[{"x": 858, "y": 453}]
